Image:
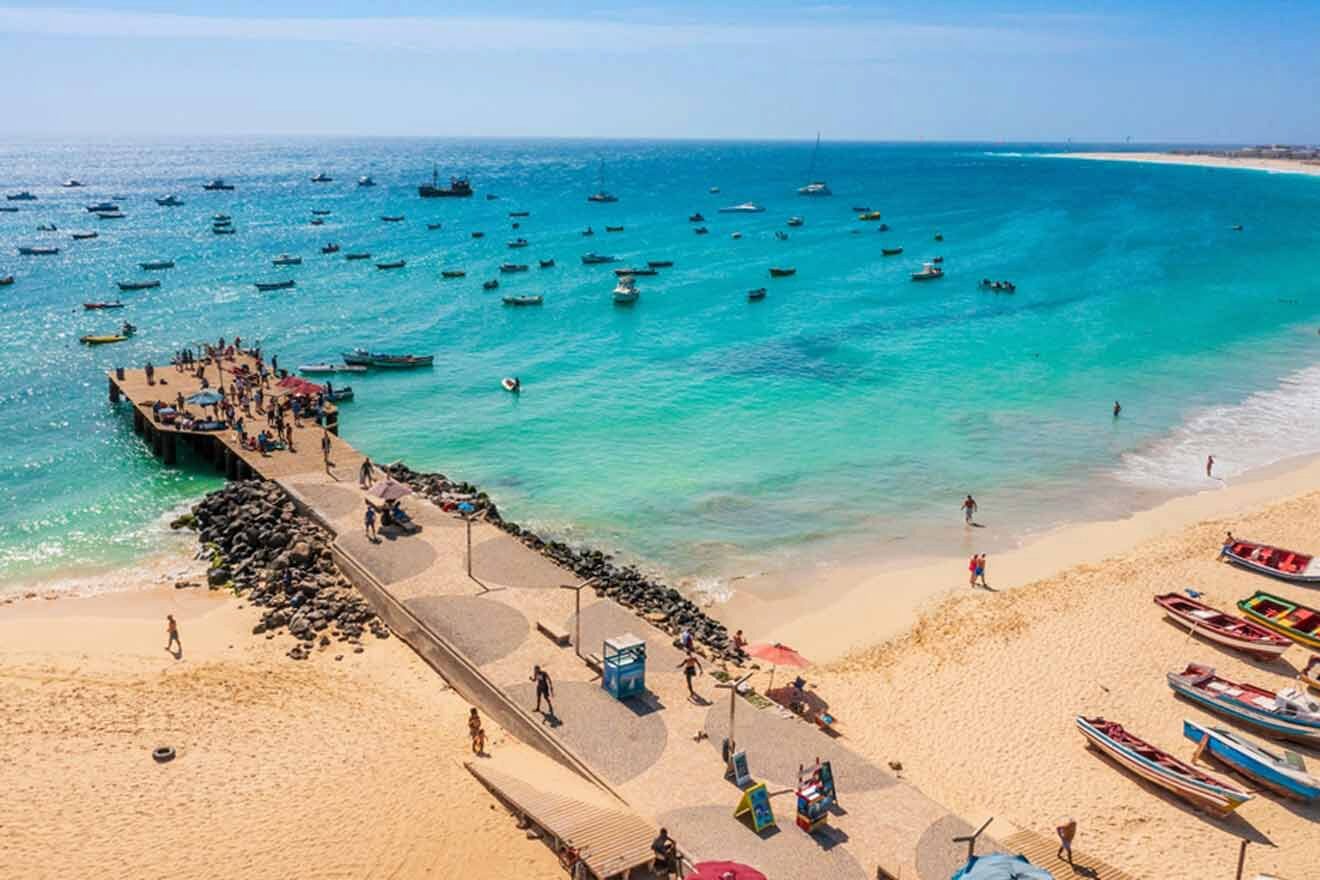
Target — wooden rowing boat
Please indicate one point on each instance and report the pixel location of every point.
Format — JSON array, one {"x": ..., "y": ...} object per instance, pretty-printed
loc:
[
  {"x": 1160, "y": 768},
  {"x": 1289, "y": 714},
  {"x": 1292, "y": 619},
  {"x": 1276, "y": 562},
  {"x": 1283, "y": 773},
  {"x": 1223, "y": 629}
]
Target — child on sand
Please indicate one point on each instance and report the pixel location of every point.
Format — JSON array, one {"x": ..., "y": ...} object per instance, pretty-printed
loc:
[{"x": 476, "y": 732}]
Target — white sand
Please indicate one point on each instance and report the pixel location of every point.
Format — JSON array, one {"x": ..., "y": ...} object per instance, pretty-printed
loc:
[
  {"x": 1276, "y": 166},
  {"x": 314, "y": 769}
]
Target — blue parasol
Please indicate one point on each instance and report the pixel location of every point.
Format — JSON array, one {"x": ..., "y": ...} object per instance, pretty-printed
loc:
[
  {"x": 206, "y": 397},
  {"x": 1001, "y": 866}
]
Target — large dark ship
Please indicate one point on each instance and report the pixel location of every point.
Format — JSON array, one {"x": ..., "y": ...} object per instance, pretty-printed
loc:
[{"x": 458, "y": 187}]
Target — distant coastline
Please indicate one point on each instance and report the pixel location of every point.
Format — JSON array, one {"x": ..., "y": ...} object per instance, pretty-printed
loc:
[{"x": 1205, "y": 160}]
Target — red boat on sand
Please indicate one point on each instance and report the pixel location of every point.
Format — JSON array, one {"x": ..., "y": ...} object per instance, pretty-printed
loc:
[
  {"x": 1223, "y": 629},
  {"x": 1276, "y": 562}
]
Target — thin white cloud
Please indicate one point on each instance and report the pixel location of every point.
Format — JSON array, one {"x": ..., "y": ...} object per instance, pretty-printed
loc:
[{"x": 476, "y": 33}]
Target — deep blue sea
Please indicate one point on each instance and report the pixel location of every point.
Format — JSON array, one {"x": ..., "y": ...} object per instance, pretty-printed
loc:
[{"x": 696, "y": 430}]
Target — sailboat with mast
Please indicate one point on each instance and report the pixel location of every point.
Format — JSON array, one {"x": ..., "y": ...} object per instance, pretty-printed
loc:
[
  {"x": 815, "y": 187},
  {"x": 601, "y": 194}
]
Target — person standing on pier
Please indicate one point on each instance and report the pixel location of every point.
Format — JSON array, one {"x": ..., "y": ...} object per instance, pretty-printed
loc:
[
  {"x": 369, "y": 519},
  {"x": 545, "y": 689},
  {"x": 325, "y": 449},
  {"x": 365, "y": 473},
  {"x": 150, "y": 370}
]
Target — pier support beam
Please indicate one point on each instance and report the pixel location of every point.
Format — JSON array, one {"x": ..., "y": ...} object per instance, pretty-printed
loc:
[
  {"x": 114, "y": 391},
  {"x": 138, "y": 421},
  {"x": 169, "y": 454}
]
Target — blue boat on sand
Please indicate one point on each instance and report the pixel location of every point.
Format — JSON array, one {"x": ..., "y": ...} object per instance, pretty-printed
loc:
[
  {"x": 1283, "y": 773},
  {"x": 1289, "y": 714}
]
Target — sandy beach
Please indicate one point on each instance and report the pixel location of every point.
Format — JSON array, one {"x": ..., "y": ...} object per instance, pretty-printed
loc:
[
  {"x": 977, "y": 699},
  {"x": 321, "y": 768},
  {"x": 1274, "y": 166}
]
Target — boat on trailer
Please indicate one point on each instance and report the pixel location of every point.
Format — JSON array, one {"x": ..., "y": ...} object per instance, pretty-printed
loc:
[
  {"x": 1292, "y": 619},
  {"x": 1283, "y": 773},
  {"x": 1160, "y": 768},
  {"x": 1287, "y": 565},
  {"x": 1289, "y": 714},
  {"x": 1223, "y": 629}
]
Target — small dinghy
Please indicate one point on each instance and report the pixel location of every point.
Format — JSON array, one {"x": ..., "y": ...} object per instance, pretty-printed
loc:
[
  {"x": 592, "y": 259},
  {"x": 274, "y": 285},
  {"x": 1291, "y": 619},
  {"x": 137, "y": 285},
  {"x": 659, "y": 264},
  {"x": 392, "y": 218},
  {"x": 523, "y": 300},
  {"x": 518, "y": 243},
  {"x": 1283, "y": 774},
  {"x": 696, "y": 218},
  {"x": 222, "y": 230},
  {"x": 782, "y": 271},
  {"x": 38, "y": 251},
  {"x": 434, "y": 226},
  {"x": 478, "y": 235},
  {"x": 358, "y": 256},
  {"x": 392, "y": 264},
  {"x": 891, "y": 252},
  {"x": 452, "y": 273},
  {"x": 701, "y": 230},
  {"x": 1289, "y": 714},
  {"x": 1223, "y": 629},
  {"x": 320, "y": 212},
  {"x": 331, "y": 248},
  {"x": 1286, "y": 565},
  {"x": 84, "y": 236},
  {"x": 340, "y": 395},
  {"x": 157, "y": 265},
  {"x": 614, "y": 229},
  {"x": 929, "y": 272},
  {"x": 795, "y": 221},
  {"x": 513, "y": 267},
  {"x": 757, "y": 294},
  {"x": 6, "y": 280},
  {"x": 286, "y": 260},
  {"x": 869, "y": 216},
  {"x": 103, "y": 305},
  {"x": 512, "y": 385},
  {"x": 1161, "y": 768},
  {"x": 492, "y": 284}
]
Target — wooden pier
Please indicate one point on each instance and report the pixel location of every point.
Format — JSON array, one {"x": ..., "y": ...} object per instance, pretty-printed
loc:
[{"x": 221, "y": 447}]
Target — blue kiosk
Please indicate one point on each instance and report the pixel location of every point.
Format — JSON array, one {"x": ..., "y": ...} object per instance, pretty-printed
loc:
[{"x": 623, "y": 666}]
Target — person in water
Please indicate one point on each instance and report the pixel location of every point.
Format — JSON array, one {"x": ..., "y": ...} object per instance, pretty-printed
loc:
[
  {"x": 1209, "y": 465},
  {"x": 969, "y": 509},
  {"x": 1118, "y": 408}
]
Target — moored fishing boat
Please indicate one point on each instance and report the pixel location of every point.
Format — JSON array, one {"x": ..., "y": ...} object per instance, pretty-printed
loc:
[
  {"x": 1276, "y": 562},
  {"x": 330, "y": 248},
  {"x": 522, "y": 300},
  {"x": 646, "y": 271},
  {"x": 85, "y": 236},
  {"x": 339, "y": 395},
  {"x": 782, "y": 271},
  {"x": 660, "y": 264},
  {"x": 492, "y": 284},
  {"x": 320, "y": 212},
  {"x": 222, "y": 230},
  {"x": 929, "y": 272},
  {"x": 696, "y": 218},
  {"x": 170, "y": 201},
  {"x": 317, "y": 221},
  {"x": 614, "y": 229},
  {"x": 1161, "y": 768},
  {"x": 891, "y": 252},
  {"x": 138, "y": 285},
  {"x": 395, "y": 361},
  {"x": 758, "y": 293},
  {"x": 218, "y": 185},
  {"x": 221, "y": 218},
  {"x": 6, "y": 280},
  {"x": 322, "y": 177},
  {"x": 434, "y": 226},
  {"x": 517, "y": 243},
  {"x": 592, "y": 259},
  {"x": 391, "y": 218},
  {"x": 547, "y": 264},
  {"x": 452, "y": 273},
  {"x": 1224, "y": 629},
  {"x": 91, "y": 306},
  {"x": 795, "y": 221},
  {"x": 520, "y": 213},
  {"x": 37, "y": 250},
  {"x": 513, "y": 267},
  {"x": 111, "y": 215},
  {"x": 72, "y": 183},
  {"x": 1289, "y": 714},
  {"x": 392, "y": 264},
  {"x": 102, "y": 206},
  {"x": 459, "y": 187},
  {"x": 157, "y": 265},
  {"x": 1283, "y": 773},
  {"x": 274, "y": 285},
  {"x": 476, "y": 234},
  {"x": 365, "y": 180},
  {"x": 1292, "y": 619},
  {"x": 869, "y": 216},
  {"x": 626, "y": 292},
  {"x": 23, "y": 196},
  {"x": 286, "y": 260},
  {"x": 361, "y": 255}
]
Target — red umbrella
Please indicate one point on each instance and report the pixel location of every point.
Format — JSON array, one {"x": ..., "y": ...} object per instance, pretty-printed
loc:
[
  {"x": 724, "y": 871},
  {"x": 301, "y": 386},
  {"x": 776, "y": 655}
]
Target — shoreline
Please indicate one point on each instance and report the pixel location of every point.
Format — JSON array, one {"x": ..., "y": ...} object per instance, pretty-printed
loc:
[{"x": 1271, "y": 166}]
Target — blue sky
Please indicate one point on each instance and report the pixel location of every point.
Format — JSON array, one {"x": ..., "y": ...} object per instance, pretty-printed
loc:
[{"x": 1153, "y": 71}]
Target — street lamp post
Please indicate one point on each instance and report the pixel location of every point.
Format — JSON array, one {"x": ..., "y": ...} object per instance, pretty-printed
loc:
[
  {"x": 733, "y": 685},
  {"x": 577, "y": 611}
]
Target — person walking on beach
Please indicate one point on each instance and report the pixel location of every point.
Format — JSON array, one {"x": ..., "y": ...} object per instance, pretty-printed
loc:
[
  {"x": 980, "y": 570},
  {"x": 1067, "y": 831},
  {"x": 172, "y": 628},
  {"x": 971, "y": 571},
  {"x": 691, "y": 668},
  {"x": 369, "y": 520},
  {"x": 364, "y": 474},
  {"x": 545, "y": 689},
  {"x": 1209, "y": 466},
  {"x": 478, "y": 735},
  {"x": 969, "y": 509},
  {"x": 325, "y": 448}
]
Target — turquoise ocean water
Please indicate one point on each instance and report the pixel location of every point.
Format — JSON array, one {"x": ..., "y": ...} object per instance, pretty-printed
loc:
[{"x": 696, "y": 430}]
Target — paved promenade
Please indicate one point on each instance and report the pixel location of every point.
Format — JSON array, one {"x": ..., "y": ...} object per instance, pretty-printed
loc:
[{"x": 659, "y": 753}]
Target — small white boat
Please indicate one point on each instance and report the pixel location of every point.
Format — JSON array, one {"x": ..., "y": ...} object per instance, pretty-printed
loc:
[
  {"x": 322, "y": 177},
  {"x": 218, "y": 185},
  {"x": 518, "y": 243},
  {"x": 929, "y": 272},
  {"x": 713, "y": 190},
  {"x": 71, "y": 183},
  {"x": 592, "y": 258},
  {"x": 795, "y": 221},
  {"x": 286, "y": 260},
  {"x": 331, "y": 368},
  {"x": 23, "y": 196},
  {"x": 170, "y": 202},
  {"x": 38, "y": 251},
  {"x": 102, "y": 206},
  {"x": 523, "y": 300},
  {"x": 744, "y": 208},
  {"x": 626, "y": 292},
  {"x": 365, "y": 180}
]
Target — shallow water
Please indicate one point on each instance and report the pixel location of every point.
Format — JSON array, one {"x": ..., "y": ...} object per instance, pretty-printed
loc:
[{"x": 700, "y": 431}]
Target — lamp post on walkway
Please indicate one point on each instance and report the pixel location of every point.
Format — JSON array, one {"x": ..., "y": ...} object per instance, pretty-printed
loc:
[
  {"x": 577, "y": 612},
  {"x": 466, "y": 510},
  {"x": 733, "y": 685}
]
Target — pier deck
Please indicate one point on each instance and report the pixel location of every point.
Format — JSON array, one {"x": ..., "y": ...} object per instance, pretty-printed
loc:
[{"x": 659, "y": 754}]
